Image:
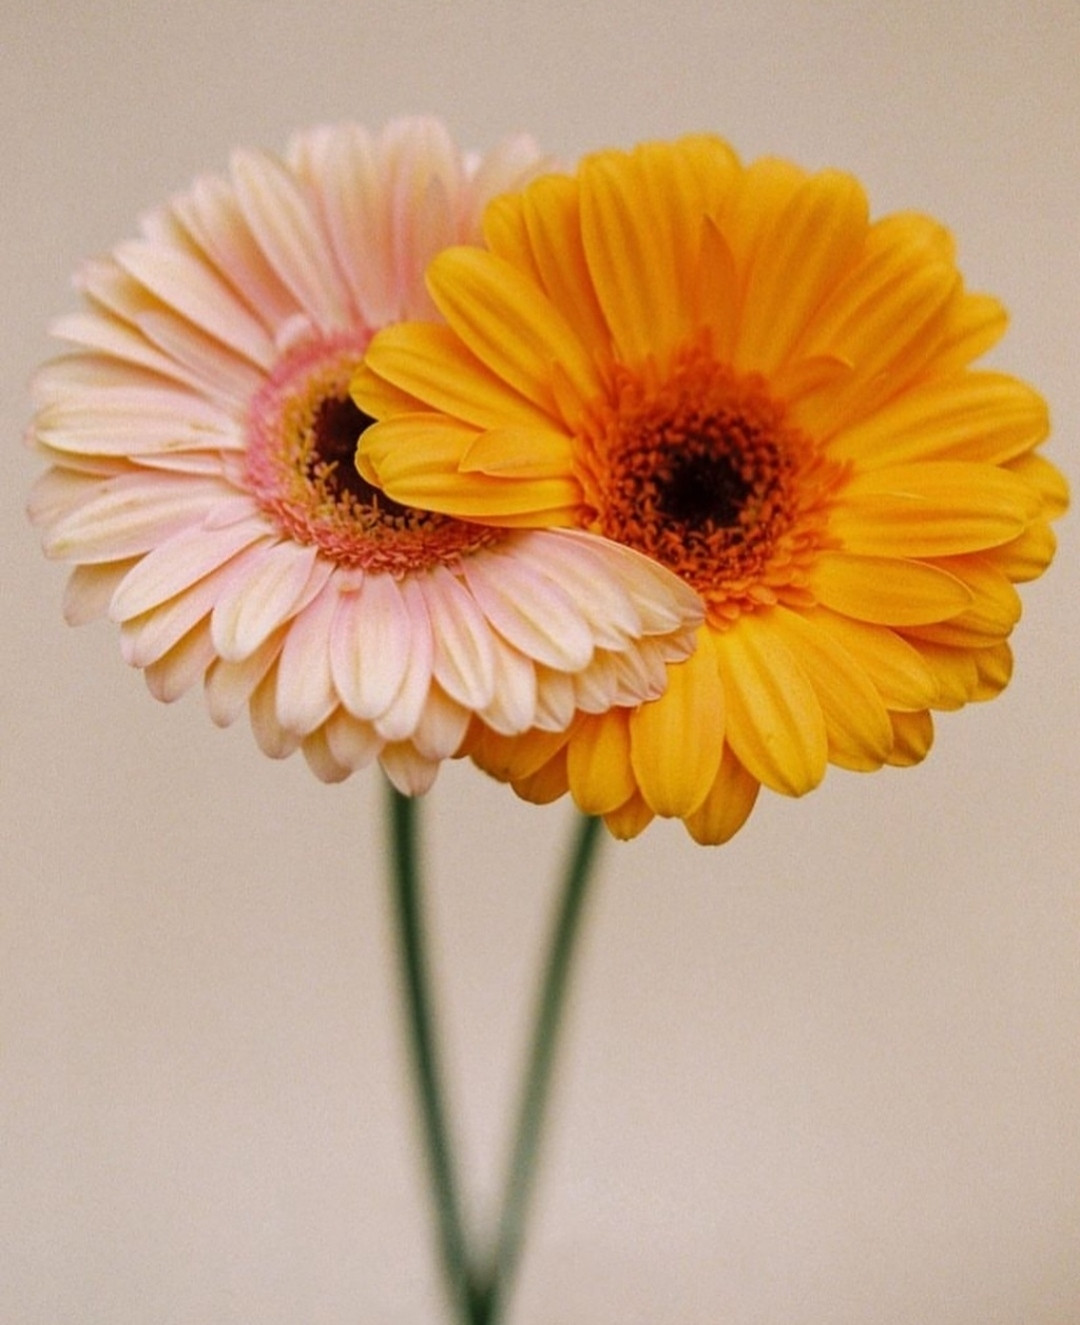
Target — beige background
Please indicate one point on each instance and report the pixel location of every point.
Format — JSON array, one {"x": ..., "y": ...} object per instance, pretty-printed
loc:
[{"x": 828, "y": 1075}]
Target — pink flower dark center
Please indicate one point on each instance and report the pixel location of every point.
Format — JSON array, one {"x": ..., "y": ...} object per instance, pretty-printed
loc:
[{"x": 302, "y": 431}]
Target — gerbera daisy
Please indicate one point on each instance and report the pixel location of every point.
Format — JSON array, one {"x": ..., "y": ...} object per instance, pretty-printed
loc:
[
  {"x": 734, "y": 370},
  {"x": 202, "y": 441}
]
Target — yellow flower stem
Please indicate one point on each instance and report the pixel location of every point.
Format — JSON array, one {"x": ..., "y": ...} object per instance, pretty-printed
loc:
[
  {"x": 416, "y": 987},
  {"x": 494, "y": 1283}
]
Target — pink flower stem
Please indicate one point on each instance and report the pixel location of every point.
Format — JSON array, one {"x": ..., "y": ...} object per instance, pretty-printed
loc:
[{"x": 416, "y": 988}]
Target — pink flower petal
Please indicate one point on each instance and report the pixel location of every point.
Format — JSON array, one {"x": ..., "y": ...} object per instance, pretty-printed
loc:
[
  {"x": 352, "y": 742},
  {"x": 193, "y": 290},
  {"x": 407, "y": 769},
  {"x": 289, "y": 235},
  {"x": 370, "y": 644},
  {"x": 305, "y": 688},
  {"x": 230, "y": 685},
  {"x": 271, "y": 592},
  {"x": 129, "y": 515},
  {"x": 177, "y": 671},
  {"x": 398, "y": 722},
  {"x": 178, "y": 563}
]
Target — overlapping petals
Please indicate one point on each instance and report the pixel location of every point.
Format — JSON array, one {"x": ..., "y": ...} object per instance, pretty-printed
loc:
[
  {"x": 734, "y": 370},
  {"x": 200, "y": 437}
]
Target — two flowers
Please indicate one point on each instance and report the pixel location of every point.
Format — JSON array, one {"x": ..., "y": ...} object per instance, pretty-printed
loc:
[{"x": 653, "y": 483}]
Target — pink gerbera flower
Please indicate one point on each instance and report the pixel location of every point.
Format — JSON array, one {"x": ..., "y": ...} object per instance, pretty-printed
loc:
[{"x": 202, "y": 440}]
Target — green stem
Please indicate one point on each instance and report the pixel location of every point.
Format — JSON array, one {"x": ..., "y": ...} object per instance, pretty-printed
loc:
[
  {"x": 479, "y": 1294},
  {"x": 453, "y": 1247},
  {"x": 493, "y": 1286}
]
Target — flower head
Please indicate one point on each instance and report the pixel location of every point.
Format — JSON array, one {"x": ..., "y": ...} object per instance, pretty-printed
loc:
[
  {"x": 202, "y": 440},
  {"x": 734, "y": 370}
]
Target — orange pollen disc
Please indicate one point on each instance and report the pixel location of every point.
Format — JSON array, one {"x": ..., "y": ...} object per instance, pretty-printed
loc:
[
  {"x": 302, "y": 431},
  {"x": 702, "y": 472}
]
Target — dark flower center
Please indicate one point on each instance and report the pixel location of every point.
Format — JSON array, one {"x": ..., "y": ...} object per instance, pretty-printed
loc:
[
  {"x": 702, "y": 471},
  {"x": 336, "y": 429},
  {"x": 704, "y": 490}
]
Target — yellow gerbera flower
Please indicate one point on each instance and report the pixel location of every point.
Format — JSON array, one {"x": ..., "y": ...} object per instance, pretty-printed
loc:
[{"x": 732, "y": 369}]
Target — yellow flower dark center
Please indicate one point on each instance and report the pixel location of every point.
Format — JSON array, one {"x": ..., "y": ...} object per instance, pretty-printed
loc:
[
  {"x": 704, "y": 491},
  {"x": 702, "y": 471},
  {"x": 302, "y": 432}
]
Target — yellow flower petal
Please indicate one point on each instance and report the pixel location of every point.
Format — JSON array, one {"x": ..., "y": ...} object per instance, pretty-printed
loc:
[
  {"x": 763, "y": 189},
  {"x": 994, "y": 610},
  {"x": 994, "y": 666},
  {"x": 986, "y": 417},
  {"x": 641, "y": 213},
  {"x": 1025, "y": 558},
  {"x": 775, "y": 724},
  {"x": 976, "y": 323},
  {"x": 638, "y": 311},
  {"x": 933, "y": 509},
  {"x": 886, "y": 319},
  {"x": 677, "y": 739},
  {"x": 546, "y": 783},
  {"x": 717, "y": 298},
  {"x": 897, "y": 669},
  {"x": 511, "y": 758},
  {"x": 630, "y": 819},
  {"x": 727, "y": 805},
  {"x": 598, "y": 763},
  {"x": 506, "y": 233},
  {"x": 509, "y": 325},
  {"x": 519, "y": 452},
  {"x": 806, "y": 248},
  {"x": 414, "y": 458},
  {"x": 913, "y": 735},
  {"x": 955, "y": 670},
  {"x": 1044, "y": 479},
  {"x": 378, "y": 398},
  {"x": 409, "y": 445},
  {"x": 856, "y": 722},
  {"x": 888, "y": 591},
  {"x": 539, "y": 231},
  {"x": 427, "y": 361},
  {"x": 680, "y": 187}
]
